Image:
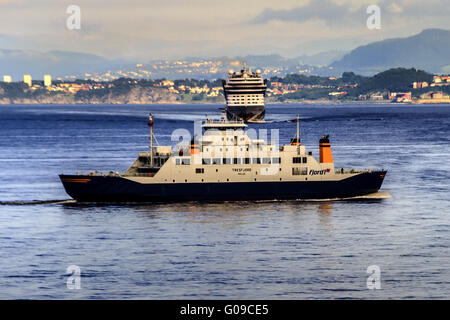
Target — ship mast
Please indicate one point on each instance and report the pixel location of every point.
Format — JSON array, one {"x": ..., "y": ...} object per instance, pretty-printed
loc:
[
  {"x": 150, "y": 124},
  {"x": 298, "y": 134}
]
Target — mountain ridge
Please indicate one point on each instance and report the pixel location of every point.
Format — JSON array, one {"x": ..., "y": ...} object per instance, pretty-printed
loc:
[{"x": 429, "y": 50}]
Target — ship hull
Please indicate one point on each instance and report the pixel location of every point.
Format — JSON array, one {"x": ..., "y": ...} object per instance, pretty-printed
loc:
[
  {"x": 246, "y": 113},
  {"x": 119, "y": 189}
]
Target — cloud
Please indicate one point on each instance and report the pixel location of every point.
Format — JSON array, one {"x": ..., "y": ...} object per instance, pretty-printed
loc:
[
  {"x": 348, "y": 12},
  {"x": 148, "y": 29},
  {"x": 326, "y": 10},
  {"x": 394, "y": 8}
]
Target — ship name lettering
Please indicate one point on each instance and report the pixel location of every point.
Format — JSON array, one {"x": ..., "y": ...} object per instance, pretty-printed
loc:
[{"x": 318, "y": 172}]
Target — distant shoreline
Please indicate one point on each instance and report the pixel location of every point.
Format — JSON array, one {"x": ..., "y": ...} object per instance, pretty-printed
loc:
[{"x": 305, "y": 102}]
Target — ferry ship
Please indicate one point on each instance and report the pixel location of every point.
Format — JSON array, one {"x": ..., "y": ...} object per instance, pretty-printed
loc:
[
  {"x": 226, "y": 164},
  {"x": 244, "y": 94}
]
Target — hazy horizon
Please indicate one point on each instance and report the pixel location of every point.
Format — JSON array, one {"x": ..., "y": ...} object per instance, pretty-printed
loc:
[{"x": 146, "y": 30}]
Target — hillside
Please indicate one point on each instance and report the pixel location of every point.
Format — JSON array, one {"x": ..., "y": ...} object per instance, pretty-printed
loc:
[
  {"x": 429, "y": 51},
  {"x": 398, "y": 79},
  {"x": 292, "y": 87}
]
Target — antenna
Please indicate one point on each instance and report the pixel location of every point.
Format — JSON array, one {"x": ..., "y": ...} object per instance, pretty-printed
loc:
[{"x": 244, "y": 66}]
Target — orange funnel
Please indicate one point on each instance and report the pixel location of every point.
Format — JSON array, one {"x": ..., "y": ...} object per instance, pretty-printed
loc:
[{"x": 325, "y": 155}]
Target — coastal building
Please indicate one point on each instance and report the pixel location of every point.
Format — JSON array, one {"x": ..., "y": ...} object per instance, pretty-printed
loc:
[
  {"x": 441, "y": 80},
  {"x": 400, "y": 96},
  {"x": 167, "y": 83},
  {"x": 47, "y": 80},
  {"x": 337, "y": 93},
  {"x": 419, "y": 85},
  {"x": 377, "y": 96},
  {"x": 7, "y": 79},
  {"x": 439, "y": 95},
  {"x": 27, "y": 79}
]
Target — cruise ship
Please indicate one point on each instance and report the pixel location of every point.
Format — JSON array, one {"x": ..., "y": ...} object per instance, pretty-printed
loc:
[
  {"x": 226, "y": 164},
  {"x": 244, "y": 94}
]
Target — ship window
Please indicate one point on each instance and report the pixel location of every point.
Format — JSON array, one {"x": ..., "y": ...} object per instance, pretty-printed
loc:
[
  {"x": 206, "y": 161},
  {"x": 299, "y": 171},
  {"x": 256, "y": 160},
  {"x": 186, "y": 161},
  {"x": 247, "y": 160},
  {"x": 296, "y": 160},
  {"x": 216, "y": 161},
  {"x": 276, "y": 160},
  {"x": 237, "y": 161},
  {"x": 199, "y": 170},
  {"x": 305, "y": 160},
  {"x": 226, "y": 160},
  {"x": 266, "y": 160},
  {"x": 177, "y": 161}
]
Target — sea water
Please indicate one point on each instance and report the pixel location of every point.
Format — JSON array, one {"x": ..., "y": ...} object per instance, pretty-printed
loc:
[{"x": 244, "y": 250}]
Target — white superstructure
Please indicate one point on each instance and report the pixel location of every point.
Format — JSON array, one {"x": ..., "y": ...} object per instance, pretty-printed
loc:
[{"x": 226, "y": 153}]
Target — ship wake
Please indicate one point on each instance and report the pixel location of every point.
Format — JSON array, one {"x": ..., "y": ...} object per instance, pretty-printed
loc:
[{"x": 35, "y": 202}]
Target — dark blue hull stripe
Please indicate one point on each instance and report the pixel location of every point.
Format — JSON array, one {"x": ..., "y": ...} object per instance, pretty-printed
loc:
[{"x": 118, "y": 189}]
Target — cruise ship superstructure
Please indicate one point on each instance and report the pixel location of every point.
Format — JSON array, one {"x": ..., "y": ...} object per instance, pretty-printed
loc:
[{"x": 244, "y": 93}]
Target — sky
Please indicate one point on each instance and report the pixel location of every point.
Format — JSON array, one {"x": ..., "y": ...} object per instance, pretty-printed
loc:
[{"x": 142, "y": 30}]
